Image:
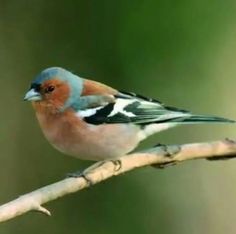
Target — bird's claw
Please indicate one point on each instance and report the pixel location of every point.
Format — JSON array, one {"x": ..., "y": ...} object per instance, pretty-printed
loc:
[
  {"x": 169, "y": 150},
  {"x": 117, "y": 163},
  {"x": 78, "y": 174}
]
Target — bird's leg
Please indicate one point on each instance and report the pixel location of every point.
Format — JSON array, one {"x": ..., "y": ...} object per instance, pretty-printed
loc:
[
  {"x": 78, "y": 174},
  {"x": 116, "y": 162},
  {"x": 169, "y": 151}
]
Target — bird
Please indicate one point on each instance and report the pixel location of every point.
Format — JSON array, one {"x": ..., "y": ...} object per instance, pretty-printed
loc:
[{"x": 93, "y": 121}]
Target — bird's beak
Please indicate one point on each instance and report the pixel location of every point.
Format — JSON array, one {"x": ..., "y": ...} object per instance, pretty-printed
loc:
[{"x": 32, "y": 95}]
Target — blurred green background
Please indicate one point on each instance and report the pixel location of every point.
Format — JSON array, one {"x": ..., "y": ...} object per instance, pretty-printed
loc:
[{"x": 181, "y": 52}]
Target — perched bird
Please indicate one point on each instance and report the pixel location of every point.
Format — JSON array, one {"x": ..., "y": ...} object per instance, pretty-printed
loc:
[{"x": 92, "y": 121}]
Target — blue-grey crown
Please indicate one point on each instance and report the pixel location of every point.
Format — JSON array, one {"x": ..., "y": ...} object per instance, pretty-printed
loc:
[{"x": 51, "y": 72}]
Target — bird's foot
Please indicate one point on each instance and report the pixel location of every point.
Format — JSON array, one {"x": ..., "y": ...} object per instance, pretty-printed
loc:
[
  {"x": 168, "y": 151},
  {"x": 78, "y": 174},
  {"x": 117, "y": 164}
]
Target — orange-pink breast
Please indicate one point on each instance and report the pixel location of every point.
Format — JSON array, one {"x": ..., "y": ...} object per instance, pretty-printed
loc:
[{"x": 70, "y": 135}]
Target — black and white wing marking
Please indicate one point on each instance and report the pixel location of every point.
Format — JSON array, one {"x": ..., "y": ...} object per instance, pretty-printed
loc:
[{"x": 132, "y": 108}]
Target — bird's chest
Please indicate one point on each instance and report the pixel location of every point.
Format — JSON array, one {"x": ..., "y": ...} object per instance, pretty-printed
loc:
[
  {"x": 85, "y": 141},
  {"x": 60, "y": 130}
]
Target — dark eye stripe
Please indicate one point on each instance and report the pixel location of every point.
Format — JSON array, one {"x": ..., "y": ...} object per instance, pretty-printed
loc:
[{"x": 36, "y": 87}]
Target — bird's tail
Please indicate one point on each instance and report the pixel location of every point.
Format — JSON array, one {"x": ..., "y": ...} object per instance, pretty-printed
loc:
[
  {"x": 192, "y": 119},
  {"x": 181, "y": 120}
]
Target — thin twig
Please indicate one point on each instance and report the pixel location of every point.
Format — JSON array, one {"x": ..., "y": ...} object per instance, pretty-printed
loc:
[{"x": 159, "y": 156}]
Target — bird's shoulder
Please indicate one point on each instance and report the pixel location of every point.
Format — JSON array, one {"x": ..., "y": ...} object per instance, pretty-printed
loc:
[{"x": 91, "y": 87}]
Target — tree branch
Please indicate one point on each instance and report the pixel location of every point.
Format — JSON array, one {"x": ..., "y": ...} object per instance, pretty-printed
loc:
[{"x": 159, "y": 156}]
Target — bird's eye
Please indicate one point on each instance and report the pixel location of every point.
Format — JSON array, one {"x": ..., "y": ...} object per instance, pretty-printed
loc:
[{"x": 49, "y": 89}]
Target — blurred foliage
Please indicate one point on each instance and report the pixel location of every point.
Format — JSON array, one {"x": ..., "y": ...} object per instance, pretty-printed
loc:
[{"x": 182, "y": 52}]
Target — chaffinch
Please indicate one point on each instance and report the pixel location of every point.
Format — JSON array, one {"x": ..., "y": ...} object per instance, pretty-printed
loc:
[{"x": 92, "y": 121}]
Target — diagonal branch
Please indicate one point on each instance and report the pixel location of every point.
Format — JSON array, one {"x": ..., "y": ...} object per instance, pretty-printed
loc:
[{"x": 159, "y": 156}]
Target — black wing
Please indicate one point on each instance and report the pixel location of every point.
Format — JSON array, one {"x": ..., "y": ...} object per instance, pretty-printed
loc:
[{"x": 133, "y": 108}]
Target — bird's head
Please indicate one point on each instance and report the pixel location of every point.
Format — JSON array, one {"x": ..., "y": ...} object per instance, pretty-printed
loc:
[{"x": 55, "y": 88}]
